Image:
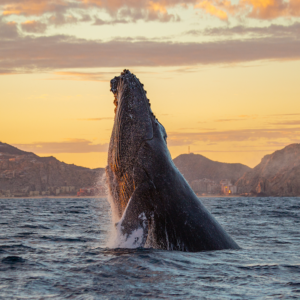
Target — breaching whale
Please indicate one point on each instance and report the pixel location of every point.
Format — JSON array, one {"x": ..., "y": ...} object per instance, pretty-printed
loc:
[{"x": 149, "y": 194}]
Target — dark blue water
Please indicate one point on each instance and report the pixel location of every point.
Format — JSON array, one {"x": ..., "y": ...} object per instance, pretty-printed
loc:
[{"x": 55, "y": 249}]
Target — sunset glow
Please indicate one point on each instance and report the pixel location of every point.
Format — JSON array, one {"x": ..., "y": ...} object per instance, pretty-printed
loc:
[{"x": 221, "y": 76}]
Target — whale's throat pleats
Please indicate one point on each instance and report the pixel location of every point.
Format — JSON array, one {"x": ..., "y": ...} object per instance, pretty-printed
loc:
[{"x": 132, "y": 127}]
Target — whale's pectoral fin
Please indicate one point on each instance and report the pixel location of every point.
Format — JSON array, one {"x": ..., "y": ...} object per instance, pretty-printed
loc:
[{"x": 134, "y": 223}]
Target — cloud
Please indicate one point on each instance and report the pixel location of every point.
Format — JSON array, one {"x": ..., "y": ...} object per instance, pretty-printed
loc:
[
  {"x": 248, "y": 116},
  {"x": 229, "y": 120},
  {"x": 33, "y": 26},
  {"x": 294, "y": 122},
  {"x": 274, "y": 30},
  {"x": 148, "y": 14},
  {"x": 258, "y": 9},
  {"x": 96, "y": 119},
  {"x": 133, "y": 10},
  {"x": 199, "y": 128},
  {"x": 286, "y": 114},
  {"x": 271, "y": 9},
  {"x": 210, "y": 8},
  {"x": 83, "y": 76},
  {"x": 6, "y": 72},
  {"x": 229, "y": 151},
  {"x": 100, "y": 22},
  {"x": 29, "y": 7},
  {"x": 8, "y": 30},
  {"x": 186, "y": 138},
  {"x": 63, "y": 52},
  {"x": 69, "y": 146},
  {"x": 60, "y": 19},
  {"x": 241, "y": 118},
  {"x": 151, "y": 10}
]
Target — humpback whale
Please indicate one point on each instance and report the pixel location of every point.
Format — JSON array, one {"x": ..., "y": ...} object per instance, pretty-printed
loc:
[{"x": 154, "y": 203}]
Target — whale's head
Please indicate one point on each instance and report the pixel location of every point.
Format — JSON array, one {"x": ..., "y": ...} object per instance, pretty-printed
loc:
[{"x": 134, "y": 125}]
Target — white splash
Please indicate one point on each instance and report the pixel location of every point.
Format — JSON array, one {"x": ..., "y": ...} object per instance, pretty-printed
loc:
[
  {"x": 114, "y": 235},
  {"x": 134, "y": 240},
  {"x": 119, "y": 240}
]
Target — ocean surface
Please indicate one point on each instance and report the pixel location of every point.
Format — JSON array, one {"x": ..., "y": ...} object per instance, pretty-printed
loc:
[{"x": 56, "y": 249}]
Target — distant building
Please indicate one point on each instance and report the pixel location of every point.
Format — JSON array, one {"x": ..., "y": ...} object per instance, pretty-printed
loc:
[
  {"x": 45, "y": 193},
  {"x": 91, "y": 191},
  {"x": 227, "y": 188},
  {"x": 205, "y": 186},
  {"x": 19, "y": 194},
  {"x": 34, "y": 193}
]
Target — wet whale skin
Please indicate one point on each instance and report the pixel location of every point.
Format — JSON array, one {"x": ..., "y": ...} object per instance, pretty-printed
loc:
[{"x": 150, "y": 195}]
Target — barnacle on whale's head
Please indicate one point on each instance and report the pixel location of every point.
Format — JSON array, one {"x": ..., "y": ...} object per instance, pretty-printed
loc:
[{"x": 125, "y": 83}]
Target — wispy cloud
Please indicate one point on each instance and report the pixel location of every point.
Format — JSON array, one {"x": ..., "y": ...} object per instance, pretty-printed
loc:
[
  {"x": 197, "y": 128},
  {"x": 83, "y": 76},
  {"x": 33, "y": 26},
  {"x": 240, "y": 118},
  {"x": 257, "y": 9},
  {"x": 33, "y": 7},
  {"x": 95, "y": 119},
  {"x": 100, "y": 22},
  {"x": 68, "y": 146},
  {"x": 292, "y": 122},
  {"x": 65, "y": 52},
  {"x": 8, "y": 30},
  {"x": 272, "y": 9},
  {"x": 248, "y": 116},
  {"x": 233, "y": 150},
  {"x": 280, "y": 115},
  {"x": 274, "y": 30},
  {"x": 229, "y": 120},
  {"x": 213, "y": 8},
  {"x": 241, "y": 135},
  {"x": 60, "y": 12}
]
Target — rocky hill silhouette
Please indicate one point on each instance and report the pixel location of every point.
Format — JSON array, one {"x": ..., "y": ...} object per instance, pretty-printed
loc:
[
  {"x": 22, "y": 172},
  {"x": 196, "y": 166},
  {"x": 6, "y": 149},
  {"x": 278, "y": 174}
]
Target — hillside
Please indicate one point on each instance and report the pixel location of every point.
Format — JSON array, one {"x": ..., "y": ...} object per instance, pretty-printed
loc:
[
  {"x": 6, "y": 149},
  {"x": 196, "y": 166},
  {"x": 24, "y": 172},
  {"x": 278, "y": 174}
]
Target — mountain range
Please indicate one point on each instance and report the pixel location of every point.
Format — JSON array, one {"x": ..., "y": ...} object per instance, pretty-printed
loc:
[
  {"x": 196, "y": 166},
  {"x": 278, "y": 174},
  {"x": 23, "y": 172}
]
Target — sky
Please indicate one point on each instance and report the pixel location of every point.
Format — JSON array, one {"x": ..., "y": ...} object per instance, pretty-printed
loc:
[{"x": 222, "y": 76}]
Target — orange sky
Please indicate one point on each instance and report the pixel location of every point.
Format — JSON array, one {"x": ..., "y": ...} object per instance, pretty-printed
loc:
[{"x": 222, "y": 76}]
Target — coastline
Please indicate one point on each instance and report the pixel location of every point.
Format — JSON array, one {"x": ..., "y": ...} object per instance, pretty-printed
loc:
[
  {"x": 50, "y": 197},
  {"x": 104, "y": 196}
]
